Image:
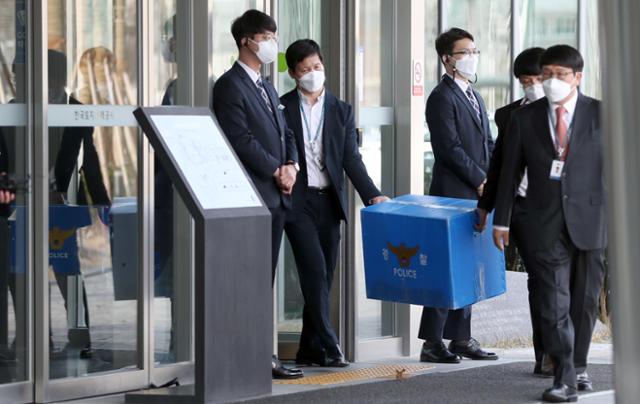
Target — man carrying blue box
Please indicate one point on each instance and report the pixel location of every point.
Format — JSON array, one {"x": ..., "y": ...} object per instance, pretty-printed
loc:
[{"x": 462, "y": 145}]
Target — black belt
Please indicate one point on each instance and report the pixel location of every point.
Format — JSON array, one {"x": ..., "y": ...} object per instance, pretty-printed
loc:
[{"x": 318, "y": 190}]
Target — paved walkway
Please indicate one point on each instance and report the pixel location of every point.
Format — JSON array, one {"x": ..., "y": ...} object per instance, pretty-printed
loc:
[{"x": 600, "y": 354}]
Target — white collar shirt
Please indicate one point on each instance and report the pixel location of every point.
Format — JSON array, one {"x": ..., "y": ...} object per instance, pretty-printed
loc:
[
  {"x": 253, "y": 75},
  {"x": 312, "y": 126}
]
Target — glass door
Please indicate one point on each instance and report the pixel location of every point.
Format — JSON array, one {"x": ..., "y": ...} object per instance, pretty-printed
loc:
[
  {"x": 15, "y": 218},
  {"x": 297, "y": 19},
  {"x": 94, "y": 336},
  {"x": 373, "y": 58},
  {"x": 170, "y": 283}
]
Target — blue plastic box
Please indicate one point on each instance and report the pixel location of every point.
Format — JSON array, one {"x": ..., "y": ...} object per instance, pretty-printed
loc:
[{"x": 424, "y": 250}]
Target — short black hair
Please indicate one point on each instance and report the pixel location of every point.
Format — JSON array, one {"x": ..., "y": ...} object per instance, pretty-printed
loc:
[
  {"x": 300, "y": 50},
  {"x": 563, "y": 55},
  {"x": 528, "y": 62},
  {"x": 445, "y": 41},
  {"x": 250, "y": 23}
]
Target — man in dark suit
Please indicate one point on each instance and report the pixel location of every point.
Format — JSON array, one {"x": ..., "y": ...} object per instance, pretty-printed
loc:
[
  {"x": 527, "y": 70},
  {"x": 558, "y": 141},
  {"x": 325, "y": 135},
  {"x": 462, "y": 146},
  {"x": 247, "y": 108}
]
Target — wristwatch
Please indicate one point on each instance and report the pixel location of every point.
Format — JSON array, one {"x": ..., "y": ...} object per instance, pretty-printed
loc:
[{"x": 294, "y": 164}]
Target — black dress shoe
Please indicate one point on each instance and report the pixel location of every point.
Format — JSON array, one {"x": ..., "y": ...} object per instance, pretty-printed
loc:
[
  {"x": 280, "y": 372},
  {"x": 310, "y": 357},
  {"x": 560, "y": 393},
  {"x": 471, "y": 349},
  {"x": 335, "y": 358},
  {"x": 437, "y": 352},
  {"x": 584, "y": 382}
]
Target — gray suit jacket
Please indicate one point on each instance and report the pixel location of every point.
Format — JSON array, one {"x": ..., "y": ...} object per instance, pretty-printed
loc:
[{"x": 578, "y": 200}]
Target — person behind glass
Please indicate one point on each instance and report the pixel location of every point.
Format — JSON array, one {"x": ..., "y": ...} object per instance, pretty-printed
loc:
[
  {"x": 557, "y": 139},
  {"x": 325, "y": 135},
  {"x": 526, "y": 68},
  {"x": 65, "y": 147},
  {"x": 246, "y": 107},
  {"x": 462, "y": 145},
  {"x": 6, "y": 198},
  {"x": 7, "y": 354},
  {"x": 13, "y": 349}
]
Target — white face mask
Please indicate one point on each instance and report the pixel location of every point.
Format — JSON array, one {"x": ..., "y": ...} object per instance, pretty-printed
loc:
[
  {"x": 267, "y": 50},
  {"x": 467, "y": 67},
  {"x": 312, "y": 81},
  {"x": 556, "y": 90},
  {"x": 534, "y": 92}
]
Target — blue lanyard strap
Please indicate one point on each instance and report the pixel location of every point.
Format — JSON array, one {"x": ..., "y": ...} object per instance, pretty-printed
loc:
[{"x": 306, "y": 123}]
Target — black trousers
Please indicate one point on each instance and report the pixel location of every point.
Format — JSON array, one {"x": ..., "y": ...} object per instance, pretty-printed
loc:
[
  {"x": 439, "y": 324},
  {"x": 278, "y": 216},
  {"x": 520, "y": 239},
  {"x": 569, "y": 281},
  {"x": 314, "y": 234}
]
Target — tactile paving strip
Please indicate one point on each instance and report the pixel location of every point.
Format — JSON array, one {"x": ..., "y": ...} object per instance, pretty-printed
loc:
[{"x": 375, "y": 372}]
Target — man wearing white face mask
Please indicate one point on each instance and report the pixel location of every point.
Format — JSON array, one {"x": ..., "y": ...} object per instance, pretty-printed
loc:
[
  {"x": 325, "y": 135},
  {"x": 526, "y": 68},
  {"x": 462, "y": 145},
  {"x": 247, "y": 109},
  {"x": 557, "y": 139}
]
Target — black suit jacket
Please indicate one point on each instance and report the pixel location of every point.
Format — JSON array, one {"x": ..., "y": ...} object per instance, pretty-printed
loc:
[
  {"x": 340, "y": 147},
  {"x": 462, "y": 144},
  {"x": 259, "y": 137},
  {"x": 577, "y": 201},
  {"x": 488, "y": 199},
  {"x": 67, "y": 159}
]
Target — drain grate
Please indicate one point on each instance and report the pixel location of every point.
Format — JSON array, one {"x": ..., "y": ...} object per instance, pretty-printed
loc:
[{"x": 374, "y": 372}]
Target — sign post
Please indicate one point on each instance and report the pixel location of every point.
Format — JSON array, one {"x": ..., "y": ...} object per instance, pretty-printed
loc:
[{"x": 233, "y": 298}]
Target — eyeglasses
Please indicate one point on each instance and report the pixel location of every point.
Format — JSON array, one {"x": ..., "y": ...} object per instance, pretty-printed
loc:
[
  {"x": 467, "y": 52},
  {"x": 560, "y": 75},
  {"x": 529, "y": 81}
]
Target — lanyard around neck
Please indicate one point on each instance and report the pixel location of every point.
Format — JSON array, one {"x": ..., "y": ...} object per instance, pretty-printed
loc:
[{"x": 306, "y": 123}]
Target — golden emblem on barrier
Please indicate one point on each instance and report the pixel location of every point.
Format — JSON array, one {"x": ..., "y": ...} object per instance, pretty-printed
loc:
[
  {"x": 403, "y": 253},
  {"x": 57, "y": 237}
]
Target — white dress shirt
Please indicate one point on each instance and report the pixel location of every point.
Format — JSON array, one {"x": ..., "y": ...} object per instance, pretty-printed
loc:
[
  {"x": 461, "y": 83},
  {"x": 570, "y": 106},
  {"x": 253, "y": 75},
  {"x": 316, "y": 173}
]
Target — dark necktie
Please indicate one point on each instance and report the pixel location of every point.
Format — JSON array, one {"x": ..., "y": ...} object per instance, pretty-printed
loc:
[
  {"x": 263, "y": 93},
  {"x": 473, "y": 101}
]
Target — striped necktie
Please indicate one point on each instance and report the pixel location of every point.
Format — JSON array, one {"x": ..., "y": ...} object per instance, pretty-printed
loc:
[
  {"x": 263, "y": 93},
  {"x": 473, "y": 101}
]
